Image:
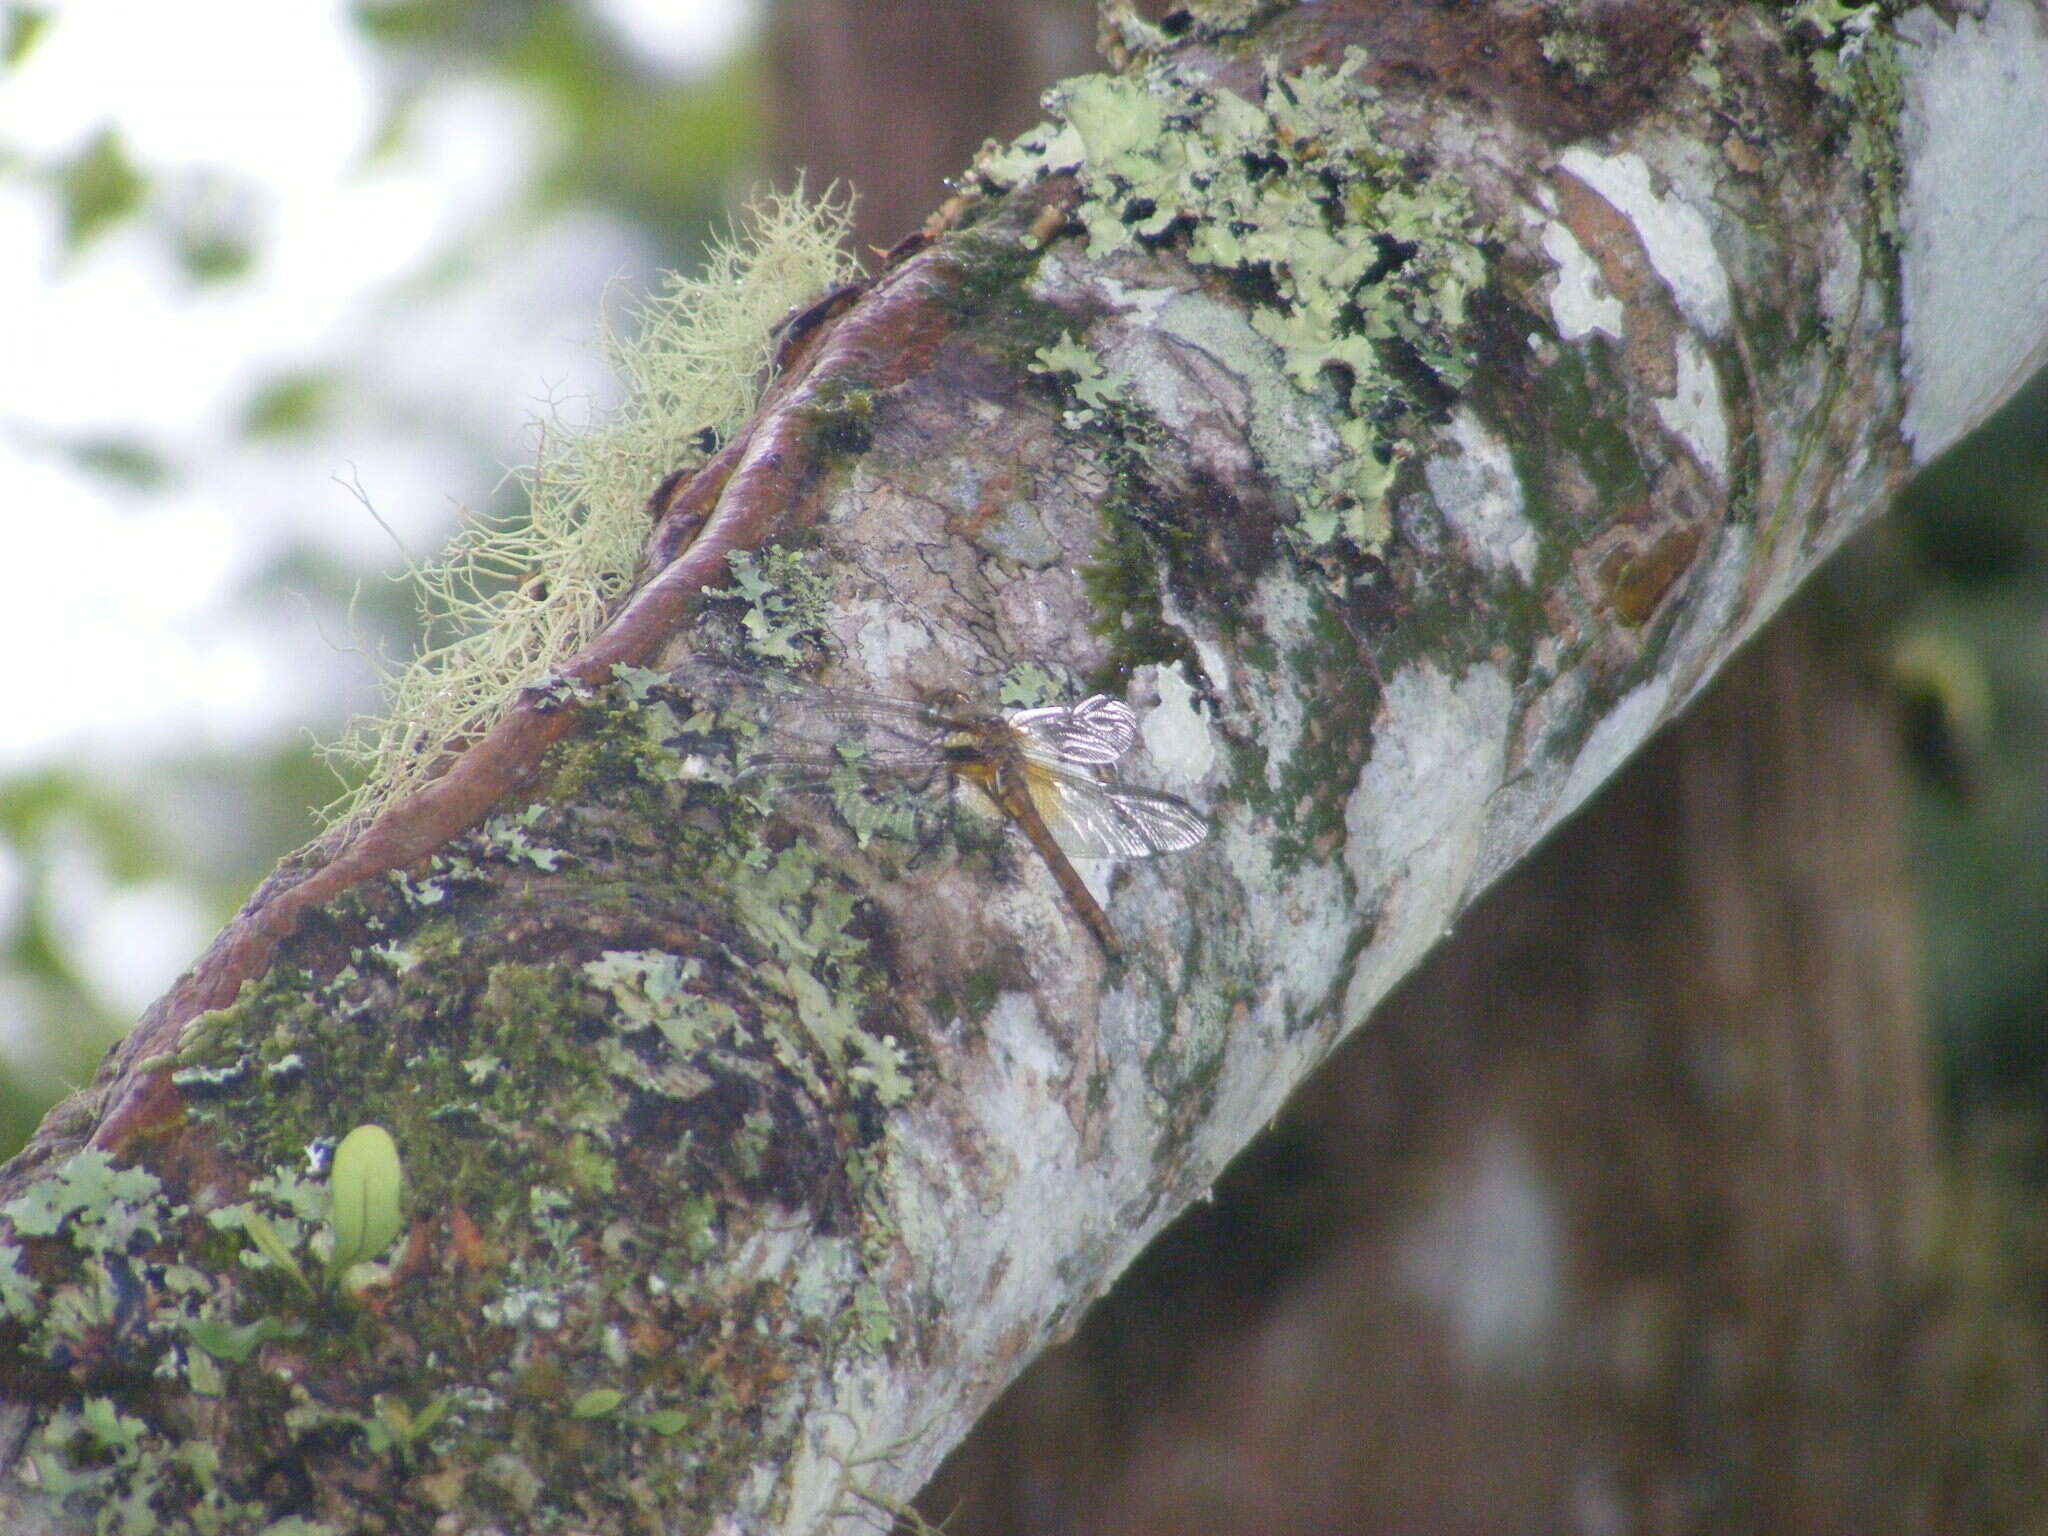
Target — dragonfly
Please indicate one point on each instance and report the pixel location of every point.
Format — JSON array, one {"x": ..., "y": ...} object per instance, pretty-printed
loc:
[{"x": 1049, "y": 772}]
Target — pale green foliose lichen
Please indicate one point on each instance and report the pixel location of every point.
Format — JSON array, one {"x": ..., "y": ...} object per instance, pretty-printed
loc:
[
  {"x": 1580, "y": 53},
  {"x": 654, "y": 989},
  {"x": 816, "y": 969},
  {"x": 1093, "y": 385},
  {"x": 1351, "y": 250},
  {"x": 1027, "y": 685},
  {"x": 100, "y": 1208},
  {"x": 1857, "y": 63},
  {"x": 120, "y": 1467},
  {"x": 784, "y": 598}
]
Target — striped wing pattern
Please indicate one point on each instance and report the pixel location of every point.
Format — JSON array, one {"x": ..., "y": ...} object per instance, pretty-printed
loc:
[
  {"x": 1093, "y": 820},
  {"x": 1066, "y": 754},
  {"x": 1094, "y": 733}
]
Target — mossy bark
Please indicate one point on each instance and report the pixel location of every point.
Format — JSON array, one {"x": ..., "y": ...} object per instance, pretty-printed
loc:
[{"x": 1408, "y": 416}]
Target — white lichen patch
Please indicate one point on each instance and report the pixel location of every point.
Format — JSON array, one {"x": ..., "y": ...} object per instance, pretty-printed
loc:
[
  {"x": 1537, "y": 768},
  {"x": 1843, "y": 283},
  {"x": 1301, "y": 922},
  {"x": 1282, "y": 612},
  {"x": 1694, "y": 413},
  {"x": 1675, "y": 235},
  {"x": 880, "y": 640},
  {"x": 1580, "y": 300},
  {"x": 1480, "y": 496},
  {"x": 1178, "y": 736},
  {"x": 1416, "y": 818},
  {"x": 1293, "y": 442},
  {"x": 1028, "y": 1159},
  {"x": 1974, "y": 215},
  {"x": 1438, "y": 750}
]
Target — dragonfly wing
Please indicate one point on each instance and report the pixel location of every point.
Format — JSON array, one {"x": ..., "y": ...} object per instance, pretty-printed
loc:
[
  {"x": 863, "y": 759},
  {"x": 1093, "y": 820},
  {"x": 897, "y": 734},
  {"x": 1094, "y": 733}
]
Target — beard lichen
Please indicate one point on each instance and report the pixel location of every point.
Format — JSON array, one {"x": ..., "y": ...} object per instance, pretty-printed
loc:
[{"x": 510, "y": 598}]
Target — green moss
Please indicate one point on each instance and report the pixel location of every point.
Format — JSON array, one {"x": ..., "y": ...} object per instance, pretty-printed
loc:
[
  {"x": 840, "y": 416},
  {"x": 1583, "y": 409},
  {"x": 464, "y": 1113},
  {"x": 975, "y": 999},
  {"x": 1316, "y": 778},
  {"x": 1127, "y": 605},
  {"x": 990, "y": 292},
  {"x": 527, "y": 1100}
]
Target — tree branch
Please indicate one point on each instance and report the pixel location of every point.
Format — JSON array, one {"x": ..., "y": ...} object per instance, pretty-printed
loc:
[{"x": 1406, "y": 407}]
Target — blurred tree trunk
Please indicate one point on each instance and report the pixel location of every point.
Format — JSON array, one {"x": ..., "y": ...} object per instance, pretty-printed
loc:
[{"x": 893, "y": 97}]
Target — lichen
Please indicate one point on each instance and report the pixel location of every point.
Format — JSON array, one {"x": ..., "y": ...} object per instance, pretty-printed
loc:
[
  {"x": 511, "y": 597},
  {"x": 1081, "y": 371},
  {"x": 1856, "y": 62},
  {"x": 783, "y": 599},
  {"x": 102, "y": 1298},
  {"x": 600, "y": 1165},
  {"x": 1577, "y": 51},
  {"x": 1355, "y": 265}
]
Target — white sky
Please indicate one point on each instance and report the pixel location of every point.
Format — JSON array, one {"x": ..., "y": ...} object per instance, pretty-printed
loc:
[
  {"x": 117, "y": 620},
  {"x": 121, "y": 343}
]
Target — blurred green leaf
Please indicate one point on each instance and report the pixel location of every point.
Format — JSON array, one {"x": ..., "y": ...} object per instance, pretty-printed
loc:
[
  {"x": 20, "y": 32},
  {"x": 116, "y": 822},
  {"x": 214, "y": 257},
  {"x": 126, "y": 460},
  {"x": 456, "y": 27},
  {"x": 271, "y": 1245},
  {"x": 659, "y": 150},
  {"x": 99, "y": 188},
  {"x": 235, "y": 1342},
  {"x": 289, "y": 404},
  {"x": 211, "y": 217}
]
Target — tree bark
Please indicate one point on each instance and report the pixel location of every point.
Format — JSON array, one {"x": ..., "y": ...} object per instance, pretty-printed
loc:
[
  {"x": 1619, "y": 1214},
  {"x": 1410, "y": 408}
]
